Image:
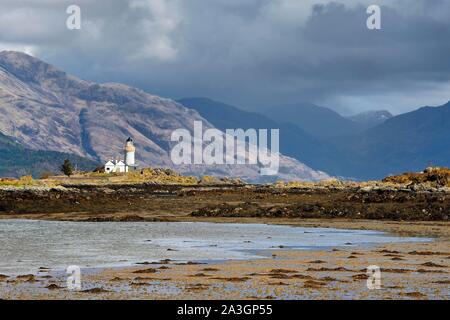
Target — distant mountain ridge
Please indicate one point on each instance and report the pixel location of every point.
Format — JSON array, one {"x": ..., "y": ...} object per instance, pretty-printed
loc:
[
  {"x": 43, "y": 108},
  {"x": 407, "y": 142},
  {"x": 371, "y": 118},
  {"x": 319, "y": 122}
]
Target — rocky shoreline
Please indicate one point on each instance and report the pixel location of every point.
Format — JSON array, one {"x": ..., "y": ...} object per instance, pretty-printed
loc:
[
  {"x": 359, "y": 204},
  {"x": 410, "y": 270},
  {"x": 151, "y": 202}
]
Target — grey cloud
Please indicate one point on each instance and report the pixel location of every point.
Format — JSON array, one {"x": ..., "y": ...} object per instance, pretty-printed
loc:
[{"x": 252, "y": 53}]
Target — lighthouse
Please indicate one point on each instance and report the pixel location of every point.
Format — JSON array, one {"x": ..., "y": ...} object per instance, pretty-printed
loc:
[
  {"x": 129, "y": 154},
  {"x": 125, "y": 165}
]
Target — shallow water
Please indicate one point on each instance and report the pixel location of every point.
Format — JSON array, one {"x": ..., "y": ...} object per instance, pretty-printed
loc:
[{"x": 27, "y": 245}]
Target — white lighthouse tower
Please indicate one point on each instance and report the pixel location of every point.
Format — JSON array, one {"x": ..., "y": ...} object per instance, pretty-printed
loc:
[
  {"x": 121, "y": 166},
  {"x": 129, "y": 154}
]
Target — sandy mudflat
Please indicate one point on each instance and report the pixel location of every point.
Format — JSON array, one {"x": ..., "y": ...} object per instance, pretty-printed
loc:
[{"x": 408, "y": 271}]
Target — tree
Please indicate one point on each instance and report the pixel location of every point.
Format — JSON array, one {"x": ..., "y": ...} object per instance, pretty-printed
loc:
[{"x": 67, "y": 168}]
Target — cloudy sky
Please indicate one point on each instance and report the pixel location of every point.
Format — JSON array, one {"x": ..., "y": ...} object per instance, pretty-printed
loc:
[{"x": 250, "y": 53}]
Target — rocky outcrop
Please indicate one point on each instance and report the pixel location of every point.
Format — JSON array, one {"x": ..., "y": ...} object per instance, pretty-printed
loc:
[
  {"x": 431, "y": 177},
  {"x": 360, "y": 204},
  {"x": 147, "y": 202}
]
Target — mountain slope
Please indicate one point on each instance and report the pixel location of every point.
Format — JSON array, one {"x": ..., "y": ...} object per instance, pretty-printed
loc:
[
  {"x": 294, "y": 142},
  {"x": 225, "y": 116},
  {"x": 317, "y": 121},
  {"x": 44, "y": 108},
  {"x": 408, "y": 142},
  {"x": 16, "y": 161}
]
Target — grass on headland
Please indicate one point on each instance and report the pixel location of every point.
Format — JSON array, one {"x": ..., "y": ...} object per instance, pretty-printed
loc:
[
  {"x": 21, "y": 182},
  {"x": 147, "y": 175},
  {"x": 433, "y": 176},
  {"x": 161, "y": 176}
]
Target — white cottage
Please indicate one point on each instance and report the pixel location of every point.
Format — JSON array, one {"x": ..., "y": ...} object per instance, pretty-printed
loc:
[{"x": 115, "y": 166}]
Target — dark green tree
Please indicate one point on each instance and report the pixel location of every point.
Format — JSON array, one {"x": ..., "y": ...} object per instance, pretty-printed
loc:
[{"x": 67, "y": 168}]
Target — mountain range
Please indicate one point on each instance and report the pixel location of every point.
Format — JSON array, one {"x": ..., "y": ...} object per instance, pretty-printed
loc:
[
  {"x": 407, "y": 142},
  {"x": 294, "y": 141},
  {"x": 370, "y": 145},
  {"x": 47, "y": 115},
  {"x": 44, "y": 109}
]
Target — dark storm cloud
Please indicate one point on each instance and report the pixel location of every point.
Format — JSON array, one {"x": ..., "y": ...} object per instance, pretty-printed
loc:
[{"x": 251, "y": 53}]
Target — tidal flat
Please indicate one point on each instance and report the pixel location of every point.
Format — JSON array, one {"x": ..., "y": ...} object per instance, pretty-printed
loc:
[
  {"x": 197, "y": 260},
  {"x": 323, "y": 254}
]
